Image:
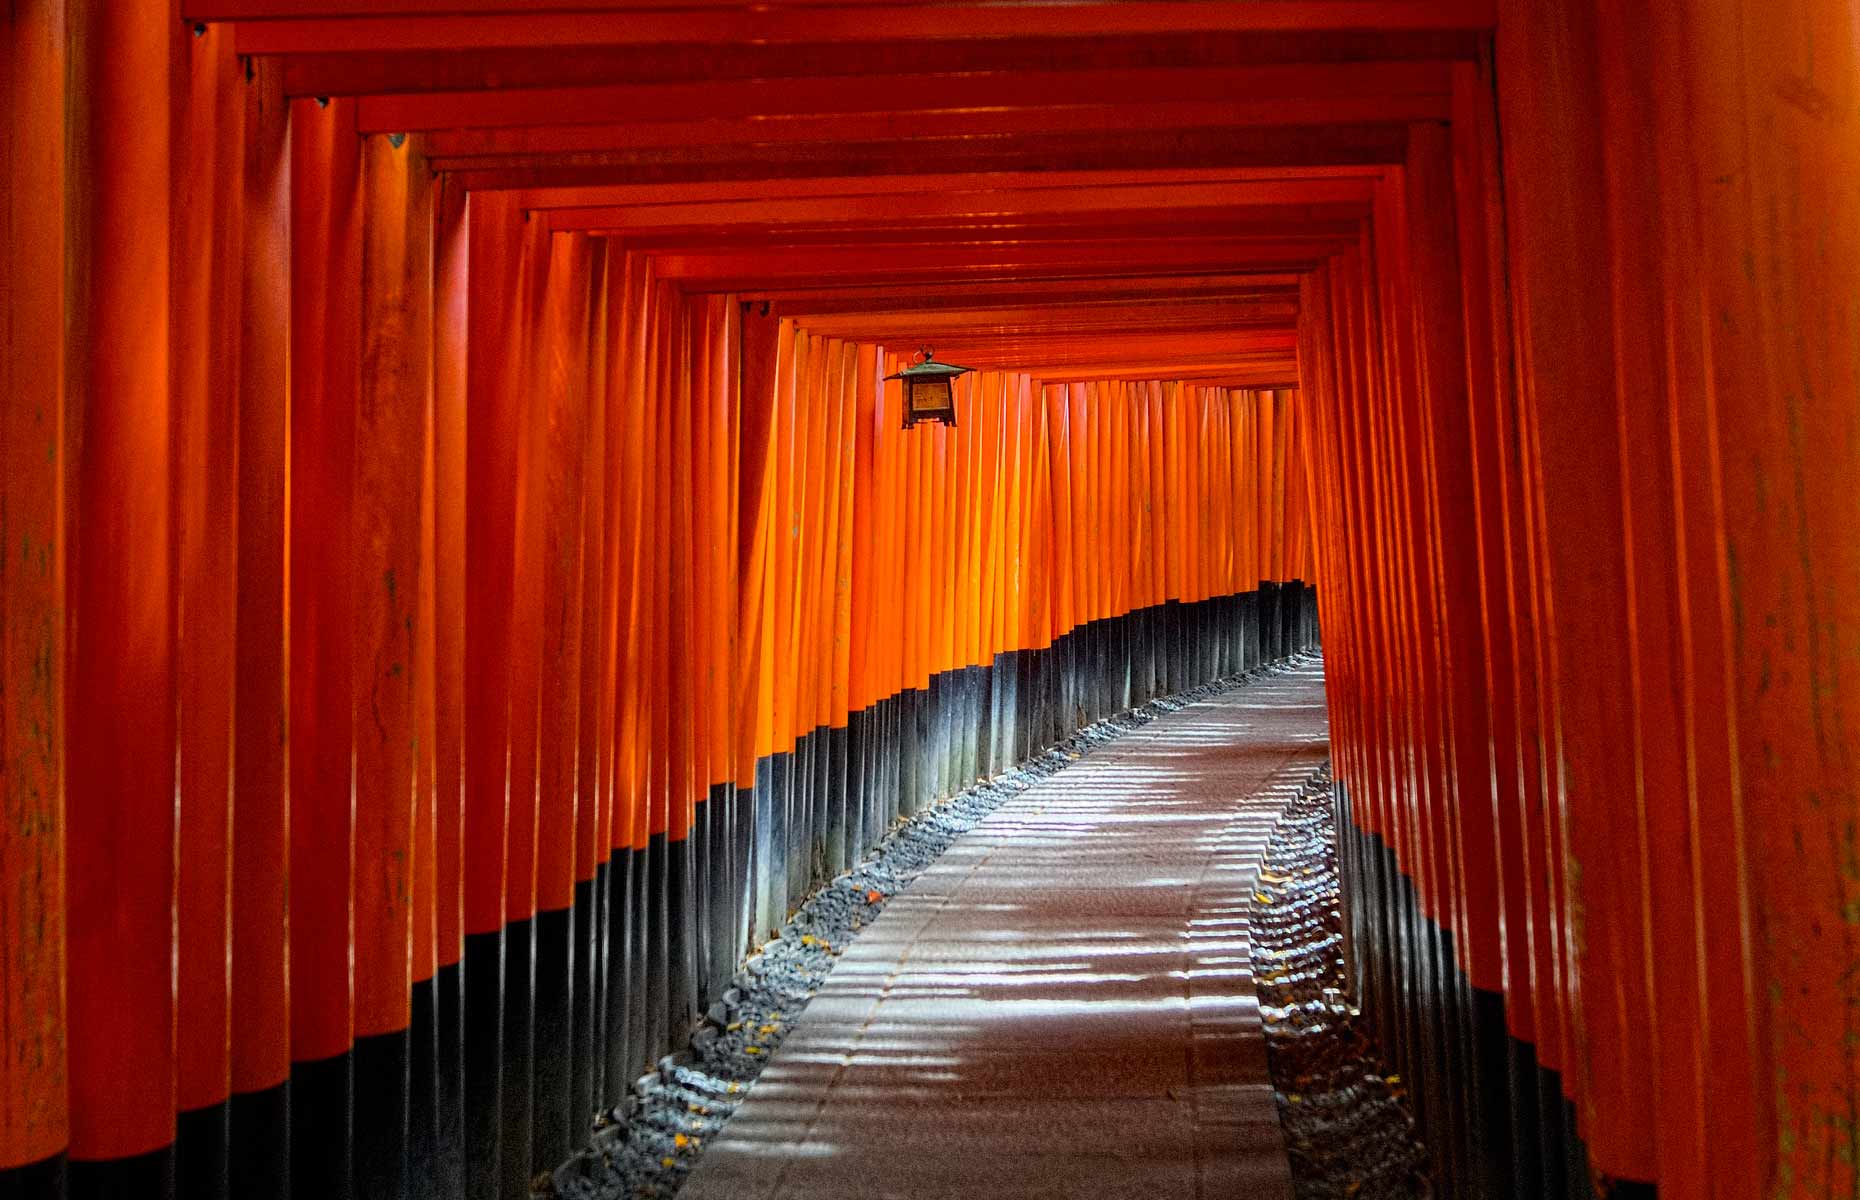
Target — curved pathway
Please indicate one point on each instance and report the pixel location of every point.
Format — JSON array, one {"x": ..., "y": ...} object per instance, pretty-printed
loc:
[{"x": 1061, "y": 1004}]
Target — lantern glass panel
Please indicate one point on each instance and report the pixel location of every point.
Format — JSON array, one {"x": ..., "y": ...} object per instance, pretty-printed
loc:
[{"x": 930, "y": 400}]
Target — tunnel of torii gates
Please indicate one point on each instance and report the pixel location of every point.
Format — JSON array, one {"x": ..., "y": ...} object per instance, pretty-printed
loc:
[{"x": 463, "y": 576}]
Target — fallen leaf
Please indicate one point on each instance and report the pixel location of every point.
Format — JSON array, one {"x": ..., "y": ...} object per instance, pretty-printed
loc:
[
  {"x": 681, "y": 1141},
  {"x": 668, "y": 1161}
]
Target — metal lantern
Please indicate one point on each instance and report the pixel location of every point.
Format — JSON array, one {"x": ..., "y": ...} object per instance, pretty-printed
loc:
[{"x": 927, "y": 394}]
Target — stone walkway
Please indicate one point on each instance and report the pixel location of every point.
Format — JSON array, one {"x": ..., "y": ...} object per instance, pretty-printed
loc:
[{"x": 1061, "y": 1005}]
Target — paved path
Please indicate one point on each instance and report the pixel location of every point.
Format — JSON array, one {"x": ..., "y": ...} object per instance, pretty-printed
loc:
[{"x": 1061, "y": 1005}]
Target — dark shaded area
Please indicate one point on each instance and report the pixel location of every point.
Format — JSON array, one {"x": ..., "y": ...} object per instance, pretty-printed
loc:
[
  {"x": 260, "y": 1137},
  {"x": 42, "y": 1180},
  {"x": 1348, "y": 1130},
  {"x": 1497, "y": 1120},
  {"x": 322, "y": 1121},
  {"x": 676, "y": 1109},
  {"x": 200, "y": 1145}
]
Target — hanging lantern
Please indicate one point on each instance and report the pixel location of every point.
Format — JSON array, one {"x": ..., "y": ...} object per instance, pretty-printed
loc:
[{"x": 927, "y": 394}]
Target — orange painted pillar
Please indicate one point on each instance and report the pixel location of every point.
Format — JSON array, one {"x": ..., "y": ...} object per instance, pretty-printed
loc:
[
  {"x": 326, "y": 325},
  {"x": 560, "y": 384},
  {"x": 424, "y": 1070},
  {"x": 261, "y": 988},
  {"x": 1558, "y": 136},
  {"x": 492, "y": 414},
  {"x": 675, "y": 677},
  {"x": 656, "y": 734},
  {"x": 526, "y": 650},
  {"x": 755, "y": 680},
  {"x": 120, "y": 773},
  {"x": 34, "y": 461},
  {"x": 629, "y": 369},
  {"x": 206, "y": 244},
  {"x": 865, "y": 594},
  {"x": 1761, "y": 406},
  {"x": 446, "y": 639},
  {"x": 593, "y": 769},
  {"x": 390, "y": 437},
  {"x": 1730, "y": 1123}
]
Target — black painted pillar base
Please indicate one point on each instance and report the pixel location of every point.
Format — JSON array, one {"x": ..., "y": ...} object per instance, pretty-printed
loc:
[
  {"x": 423, "y": 1091},
  {"x": 551, "y": 1039},
  {"x": 322, "y": 1116},
  {"x": 259, "y": 1143},
  {"x": 519, "y": 1056},
  {"x": 143, "y": 1177},
  {"x": 584, "y": 1019},
  {"x": 1494, "y": 1118},
  {"x": 449, "y": 1152},
  {"x": 614, "y": 991},
  {"x": 483, "y": 1044},
  {"x": 47, "y": 1179},
  {"x": 381, "y": 1105},
  {"x": 201, "y": 1142}
]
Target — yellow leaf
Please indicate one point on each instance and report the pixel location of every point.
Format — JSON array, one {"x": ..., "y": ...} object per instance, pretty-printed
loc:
[
  {"x": 733, "y": 1026},
  {"x": 668, "y": 1161},
  {"x": 769, "y": 1028},
  {"x": 752, "y": 1049}
]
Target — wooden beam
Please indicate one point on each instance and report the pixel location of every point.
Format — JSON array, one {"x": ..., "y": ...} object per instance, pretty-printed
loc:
[
  {"x": 1078, "y": 190},
  {"x": 296, "y": 26},
  {"x": 374, "y": 69},
  {"x": 730, "y": 272},
  {"x": 921, "y": 91},
  {"x": 979, "y": 296},
  {"x": 1317, "y": 200},
  {"x": 1156, "y": 150},
  {"x": 531, "y": 145}
]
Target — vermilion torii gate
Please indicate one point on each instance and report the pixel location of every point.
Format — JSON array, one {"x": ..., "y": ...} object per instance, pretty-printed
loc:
[{"x": 462, "y": 578}]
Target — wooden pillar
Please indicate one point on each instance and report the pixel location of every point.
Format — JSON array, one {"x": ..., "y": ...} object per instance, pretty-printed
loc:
[
  {"x": 489, "y": 499},
  {"x": 326, "y": 334},
  {"x": 451, "y": 274},
  {"x": 34, "y": 459},
  {"x": 207, "y": 252},
  {"x": 120, "y": 650},
  {"x": 390, "y": 431},
  {"x": 560, "y": 383},
  {"x": 1760, "y": 267},
  {"x": 526, "y": 643},
  {"x": 259, "y": 1134}
]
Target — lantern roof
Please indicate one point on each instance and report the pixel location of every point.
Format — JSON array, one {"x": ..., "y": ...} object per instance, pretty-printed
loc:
[{"x": 931, "y": 369}]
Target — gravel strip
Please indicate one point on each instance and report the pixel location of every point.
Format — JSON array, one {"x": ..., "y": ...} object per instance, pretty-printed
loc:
[
  {"x": 1348, "y": 1128},
  {"x": 685, "y": 1104}
]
